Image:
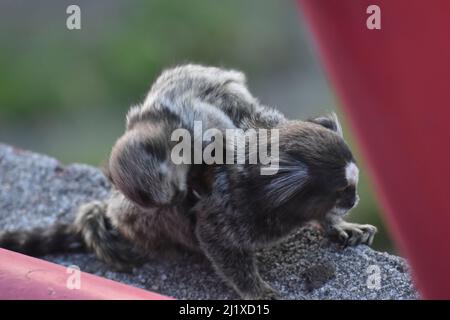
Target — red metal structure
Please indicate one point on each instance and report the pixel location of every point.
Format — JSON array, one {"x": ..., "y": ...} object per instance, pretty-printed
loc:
[
  {"x": 394, "y": 84},
  {"x": 24, "y": 278}
]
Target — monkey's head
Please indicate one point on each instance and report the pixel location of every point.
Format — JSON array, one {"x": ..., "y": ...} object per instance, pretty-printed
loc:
[
  {"x": 317, "y": 172},
  {"x": 141, "y": 168}
]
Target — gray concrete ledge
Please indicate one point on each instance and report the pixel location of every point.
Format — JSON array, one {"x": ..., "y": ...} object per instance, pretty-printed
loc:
[{"x": 36, "y": 190}]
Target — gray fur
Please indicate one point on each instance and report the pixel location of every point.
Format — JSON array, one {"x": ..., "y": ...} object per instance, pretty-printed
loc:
[{"x": 222, "y": 211}]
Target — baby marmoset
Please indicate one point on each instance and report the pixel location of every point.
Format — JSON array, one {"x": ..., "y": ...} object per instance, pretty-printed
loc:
[{"x": 224, "y": 211}]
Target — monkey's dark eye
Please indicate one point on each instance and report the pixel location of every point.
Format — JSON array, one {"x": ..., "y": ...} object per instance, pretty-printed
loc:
[{"x": 348, "y": 190}]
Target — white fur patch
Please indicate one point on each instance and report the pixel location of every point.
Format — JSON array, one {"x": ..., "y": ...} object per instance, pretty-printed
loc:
[
  {"x": 164, "y": 168},
  {"x": 338, "y": 125},
  {"x": 352, "y": 173},
  {"x": 336, "y": 211}
]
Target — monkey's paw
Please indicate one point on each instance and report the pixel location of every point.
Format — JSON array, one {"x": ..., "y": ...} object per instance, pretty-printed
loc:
[
  {"x": 270, "y": 294},
  {"x": 352, "y": 234},
  {"x": 266, "y": 292}
]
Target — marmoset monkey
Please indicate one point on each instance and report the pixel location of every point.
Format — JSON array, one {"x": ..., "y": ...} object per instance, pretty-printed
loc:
[{"x": 224, "y": 211}]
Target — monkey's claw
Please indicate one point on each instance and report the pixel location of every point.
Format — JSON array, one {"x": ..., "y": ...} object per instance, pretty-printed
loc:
[
  {"x": 269, "y": 293},
  {"x": 352, "y": 234},
  {"x": 266, "y": 292}
]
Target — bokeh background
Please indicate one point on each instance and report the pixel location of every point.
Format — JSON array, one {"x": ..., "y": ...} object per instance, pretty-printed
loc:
[{"x": 66, "y": 92}]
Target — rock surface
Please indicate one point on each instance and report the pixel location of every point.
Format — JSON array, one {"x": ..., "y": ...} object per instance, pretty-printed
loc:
[{"x": 36, "y": 190}]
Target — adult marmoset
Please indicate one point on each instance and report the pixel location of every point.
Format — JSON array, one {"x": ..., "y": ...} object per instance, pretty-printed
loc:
[{"x": 223, "y": 211}]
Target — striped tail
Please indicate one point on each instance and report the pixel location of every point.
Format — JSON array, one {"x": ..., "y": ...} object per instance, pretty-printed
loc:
[{"x": 91, "y": 231}]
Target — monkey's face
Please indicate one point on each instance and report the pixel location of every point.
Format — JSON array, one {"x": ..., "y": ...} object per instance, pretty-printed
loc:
[
  {"x": 141, "y": 168},
  {"x": 322, "y": 193},
  {"x": 347, "y": 196},
  {"x": 319, "y": 193},
  {"x": 317, "y": 172}
]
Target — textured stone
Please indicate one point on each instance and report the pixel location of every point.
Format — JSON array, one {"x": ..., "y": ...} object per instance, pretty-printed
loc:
[{"x": 36, "y": 190}]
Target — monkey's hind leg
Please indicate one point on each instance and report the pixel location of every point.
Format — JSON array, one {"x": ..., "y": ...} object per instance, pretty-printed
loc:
[
  {"x": 349, "y": 234},
  {"x": 236, "y": 265},
  {"x": 104, "y": 240}
]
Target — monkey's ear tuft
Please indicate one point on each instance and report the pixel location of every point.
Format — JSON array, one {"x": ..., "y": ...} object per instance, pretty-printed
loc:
[
  {"x": 133, "y": 116},
  {"x": 331, "y": 122}
]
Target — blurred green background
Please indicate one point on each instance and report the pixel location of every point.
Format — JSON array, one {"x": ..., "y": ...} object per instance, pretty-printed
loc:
[{"x": 66, "y": 92}]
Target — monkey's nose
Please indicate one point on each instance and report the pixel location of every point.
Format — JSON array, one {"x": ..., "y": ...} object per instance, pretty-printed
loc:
[{"x": 353, "y": 202}]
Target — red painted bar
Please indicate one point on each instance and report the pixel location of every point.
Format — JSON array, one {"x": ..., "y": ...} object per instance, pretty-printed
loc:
[
  {"x": 394, "y": 84},
  {"x": 27, "y": 278}
]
